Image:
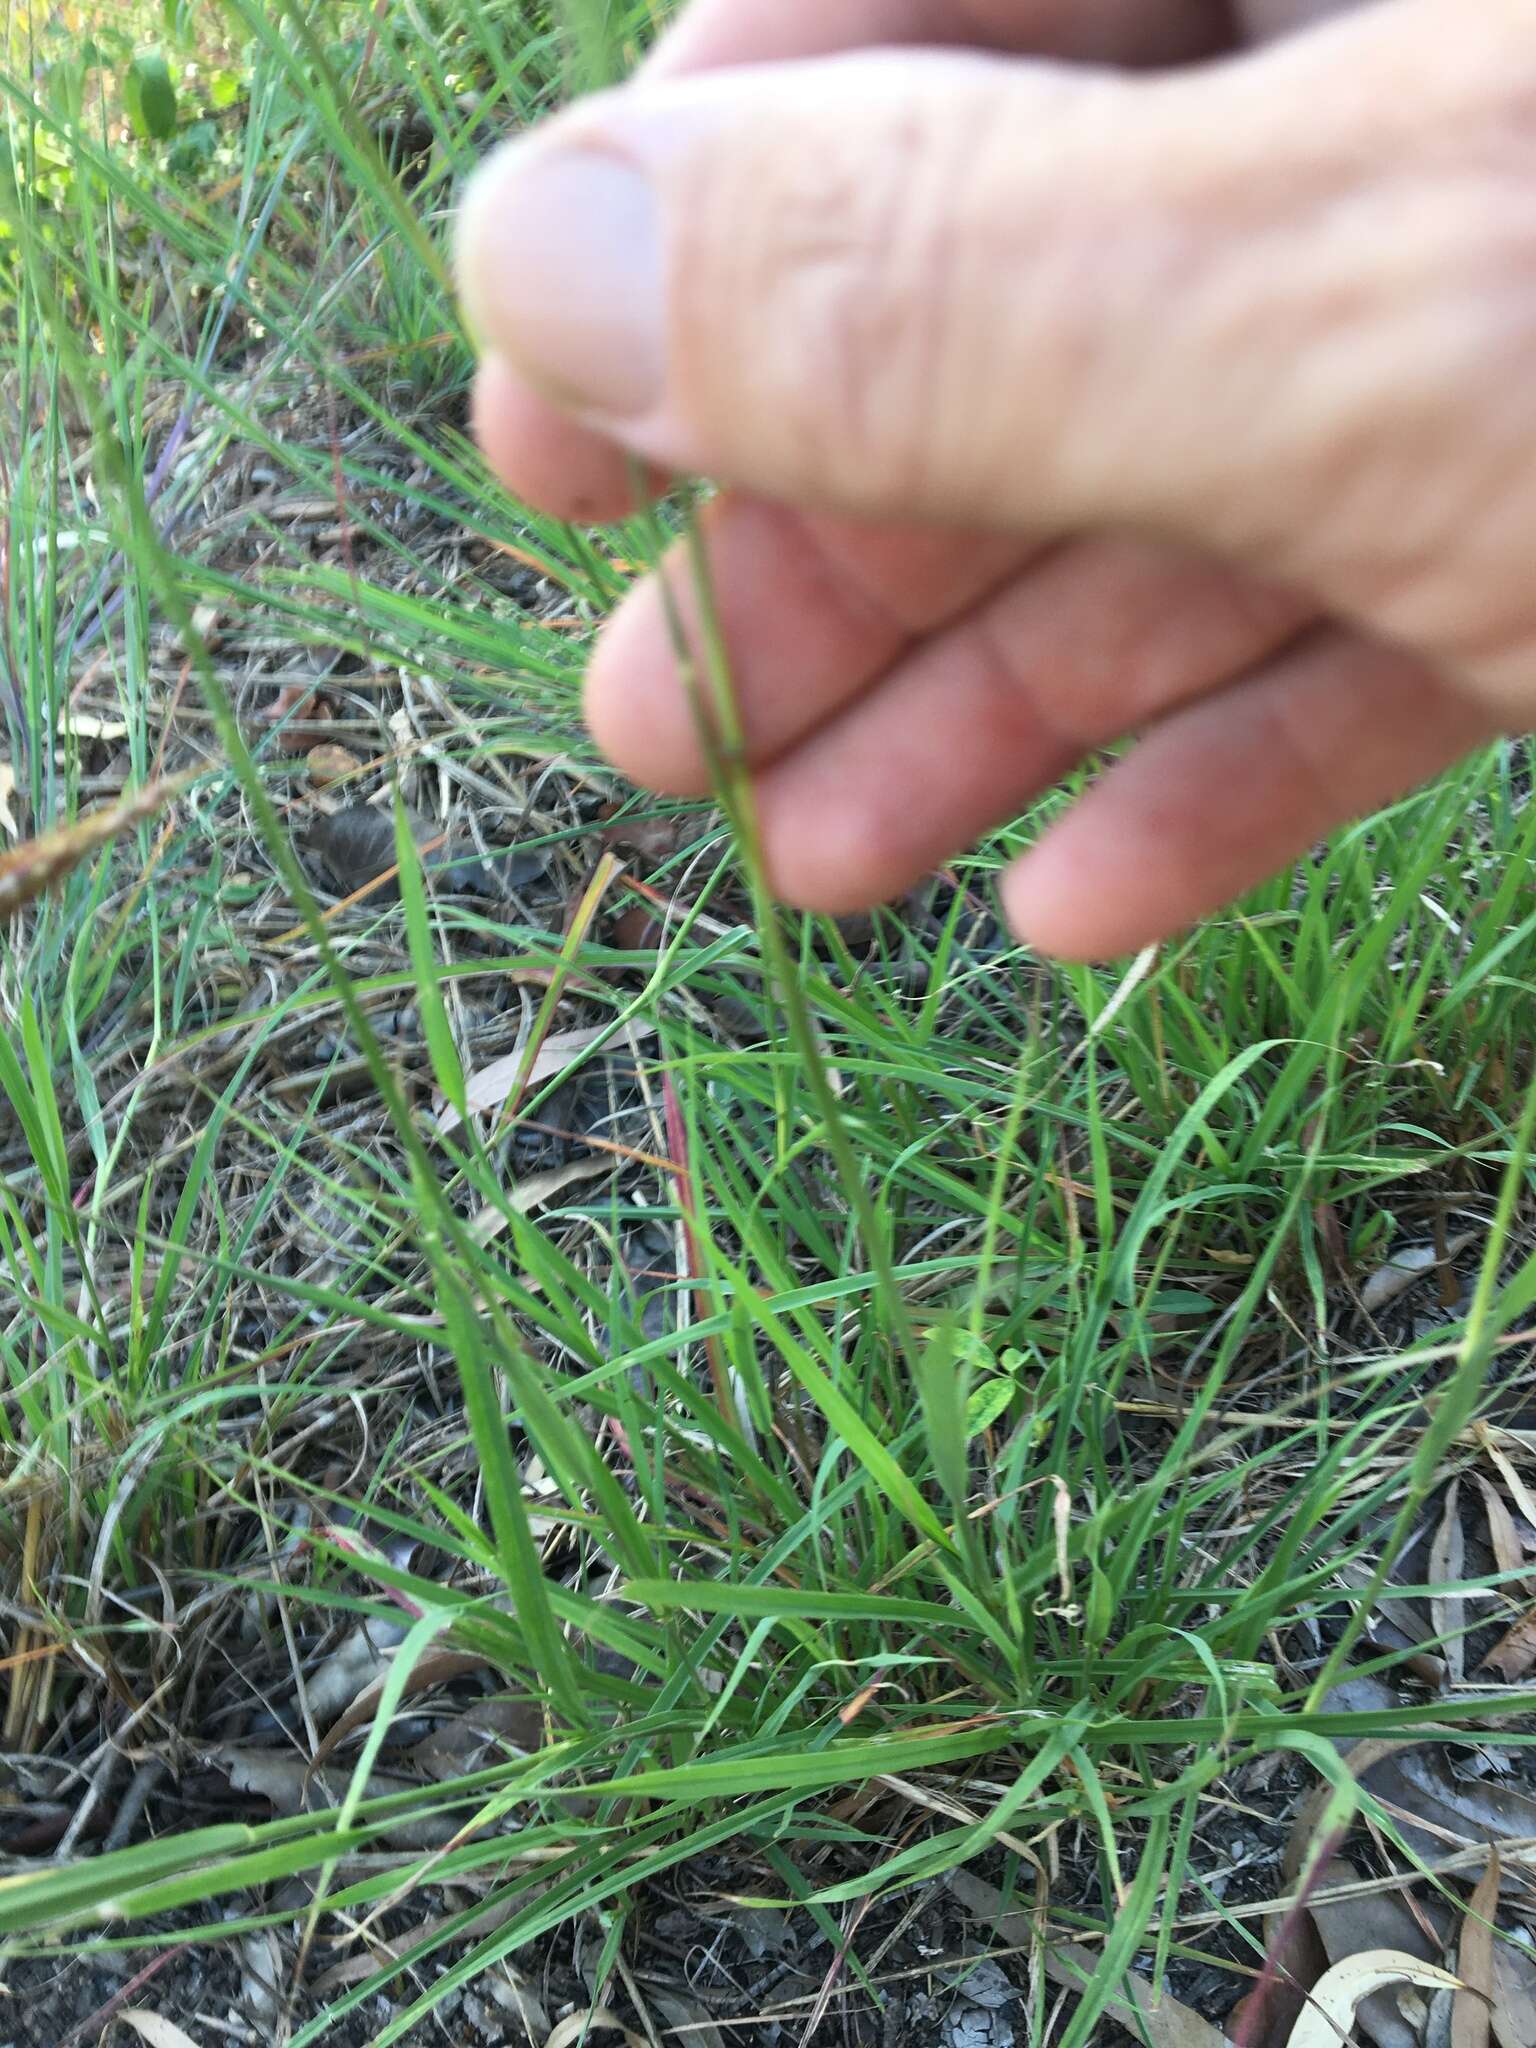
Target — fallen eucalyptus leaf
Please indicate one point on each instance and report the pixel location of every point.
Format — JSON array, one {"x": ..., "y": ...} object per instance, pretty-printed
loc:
[
  {"x": 1514, "y": 1995},
  {"x": 1472, "y": 2014},
  {"x": 1338, "y": 1993},
  {"x": 687, "y": 2021},
  {"x": 1371, "y": 1923},
  {"x": 577, "y": 2025},
  {"x": 154, "y": 2028},
  {"x": 1515, "y": 1652},
  {"x": 490, "y": 1087},
  {"x": 534, "y": 1190},
  {"x": 1406, "y": 1266},
  {"x": 433, "y": 1667},
  {"x": 288, "y": 1783}
]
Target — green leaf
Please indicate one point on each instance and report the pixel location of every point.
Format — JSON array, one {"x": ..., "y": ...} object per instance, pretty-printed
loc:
[
  {"x": 1180, "y": 1301},
  {"x": 223, "y": 89},
  {"x": 985, "y": 1403},
  {"x": 447, "y": 1068},
  {"x": 941, "y": 1390},
  {"x": 522, "y": 1568},
  {"x": 192, "y": 152},
  {"x": 149, "y": 96},
  {"x": 1100, "y": 1609}
]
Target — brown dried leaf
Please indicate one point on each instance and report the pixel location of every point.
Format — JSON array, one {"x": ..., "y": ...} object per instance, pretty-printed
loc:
[
  {"x": 1447, "y": 1557},
  {"x": 434, "y": 1667},
  {"x": 1472, "y": 2012},
  {"x": 652, "y": 836},
  {"x": 1503, "y": 1539},
  {"x": 37, "y": 864},
  {"x": 484, "y": 1731},
  {"x": 329, "y": 763},
  {"x": 300, "y": 711},
  {"x": 293, "y": 700},
  {"x": 1515, "y": 1652},
  {"x": 636, "y": 929}
]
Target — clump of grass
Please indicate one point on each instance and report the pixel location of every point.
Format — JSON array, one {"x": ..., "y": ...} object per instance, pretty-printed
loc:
[{"x": 991, "y": 1436}]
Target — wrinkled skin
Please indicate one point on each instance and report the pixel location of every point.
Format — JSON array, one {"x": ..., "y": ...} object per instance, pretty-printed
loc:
[{"x": 1075, "y": 369}]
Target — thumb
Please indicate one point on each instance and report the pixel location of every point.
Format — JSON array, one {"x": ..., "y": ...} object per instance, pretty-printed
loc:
[{"x": 921, "y": 284}]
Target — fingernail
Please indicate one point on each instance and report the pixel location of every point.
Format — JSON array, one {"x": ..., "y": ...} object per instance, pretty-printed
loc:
[{"x": 559, "y": 268}]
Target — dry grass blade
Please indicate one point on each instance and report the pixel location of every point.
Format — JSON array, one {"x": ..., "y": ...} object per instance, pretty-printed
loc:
[{"x": 26, "y": 871}]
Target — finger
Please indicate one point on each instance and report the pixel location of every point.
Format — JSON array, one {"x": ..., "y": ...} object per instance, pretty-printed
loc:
[
  {"x": 719, "y": 32},
  {"x": 1099, "y": 637},
  {"x": 1023, "y": 295},
  {"x": 1222, "y": 794},
  {"x": 544, "y": 457},
  {"x": 575, "y": 473},
  {"x": 1263, "y": 19},
  {"x": 812, "y": 612}
]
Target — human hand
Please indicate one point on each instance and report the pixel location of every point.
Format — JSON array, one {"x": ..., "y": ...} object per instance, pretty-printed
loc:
[{"x": 1054, "y": 403}]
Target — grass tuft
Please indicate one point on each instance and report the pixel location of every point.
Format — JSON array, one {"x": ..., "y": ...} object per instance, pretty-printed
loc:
[{"x": 857, "y": 1401}]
